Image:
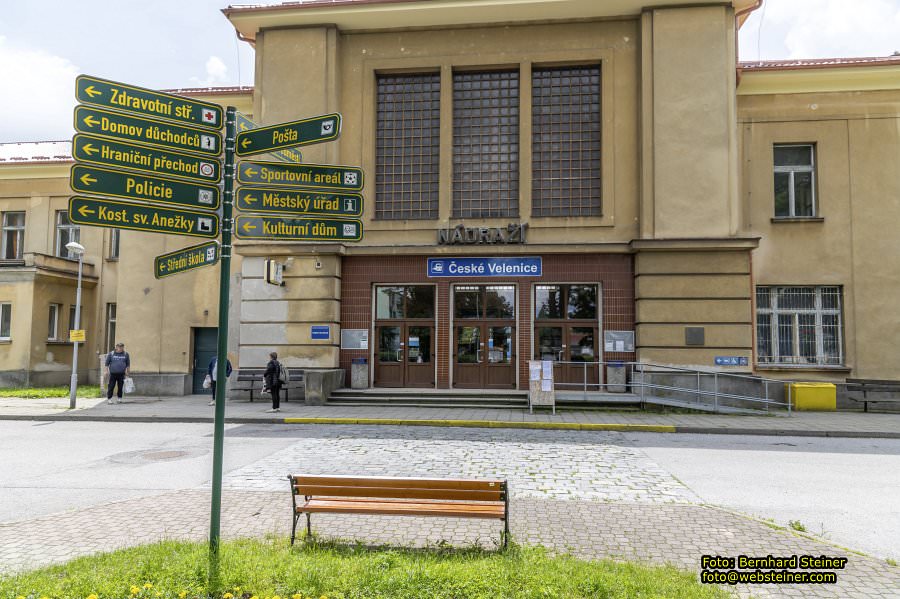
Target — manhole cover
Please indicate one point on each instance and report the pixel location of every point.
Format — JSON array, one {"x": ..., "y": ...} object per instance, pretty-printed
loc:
[{"x": 164, "y": 455}]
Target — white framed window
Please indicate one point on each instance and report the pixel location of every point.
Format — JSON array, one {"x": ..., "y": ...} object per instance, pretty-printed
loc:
[
  {"x": 53, "y": 322},
  {"x": 795, "y": 180},
  {"x": 72, "y": 317},
  {"x": 65, "y": 233},
  {"x": 13, "y": 235},
  {"x": 114, "y": 236},
  {"x": 799, "y": 326},
  {"x": 110, "y": 327},
  {"x": 5, "y": 320}
]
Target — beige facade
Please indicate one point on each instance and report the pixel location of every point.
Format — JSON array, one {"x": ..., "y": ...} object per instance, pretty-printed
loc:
[{"x": 687, "y": 196}]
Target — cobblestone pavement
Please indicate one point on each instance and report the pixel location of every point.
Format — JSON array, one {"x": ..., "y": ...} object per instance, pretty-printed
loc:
[
  {"x": 589, "y": 494},
  {"x": 549, "y": 464}
]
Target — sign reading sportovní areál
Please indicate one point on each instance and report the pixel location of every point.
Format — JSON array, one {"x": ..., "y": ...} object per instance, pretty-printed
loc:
[{"x": 282, "y": 174}]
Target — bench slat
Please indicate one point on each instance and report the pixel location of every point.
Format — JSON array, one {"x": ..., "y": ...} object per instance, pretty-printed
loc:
[
  {"x": 396, "y": 482},
  {"x": 400, "y": 493},
  {"x": 403, "y": 508}
]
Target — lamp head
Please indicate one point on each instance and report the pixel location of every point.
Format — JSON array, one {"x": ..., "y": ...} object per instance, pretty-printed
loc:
[{"x": 75, "y": 248}]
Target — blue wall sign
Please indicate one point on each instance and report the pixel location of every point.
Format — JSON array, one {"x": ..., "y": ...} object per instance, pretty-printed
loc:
[
  {"x": 320, "y": 331},
  {"x": 485, "y": 267},
  {"x": 731, "y": 361}
]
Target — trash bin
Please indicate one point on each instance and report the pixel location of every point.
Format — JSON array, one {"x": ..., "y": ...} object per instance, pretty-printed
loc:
[
  {"x": 359, "y": 373},
  {"x": 811, "y": 396},
  {"x": 616, "y": 379}
]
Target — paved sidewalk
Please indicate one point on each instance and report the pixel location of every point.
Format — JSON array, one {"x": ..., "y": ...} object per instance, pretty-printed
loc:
[{"x": 194, "y": 408}]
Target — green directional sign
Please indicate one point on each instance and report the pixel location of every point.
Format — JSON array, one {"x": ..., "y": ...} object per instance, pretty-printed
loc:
[
  {"x": 117, "y": 125},
  {"x": 320, "y": 176},
  {"x": 111, "y": 94},
  {"x": 135, "y": 186},
  {"x": 190, "y": 258},
  {"x": 286, "y": 155},
  {"x": 288, "y": 135},
  {"x": 284, "y": 228},
  {"x": 107, "y": 152},
  {"x": 299, "y": 202},
  {"x": 113, "y": 214}
]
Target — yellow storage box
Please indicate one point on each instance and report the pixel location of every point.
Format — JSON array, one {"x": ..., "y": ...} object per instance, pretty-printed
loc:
[{"x": 811, "y": 396}]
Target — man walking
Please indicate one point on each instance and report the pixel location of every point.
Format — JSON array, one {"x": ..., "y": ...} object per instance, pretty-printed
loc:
[
  {"x": 211, "y": 371},
  {"x": 118, "y": 366}
]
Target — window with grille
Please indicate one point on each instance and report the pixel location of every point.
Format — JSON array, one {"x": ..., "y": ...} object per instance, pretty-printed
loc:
[
  {"x": 565, "y": 146},
  {"x": 486, "y": 144},
  {"x": 65, "y": 232},
  {"x": 799, "y": 325},
  {"x": 795, "y": 180},
  {"x": 407, "y": 147},
  {"x": 13, "y": 235}
]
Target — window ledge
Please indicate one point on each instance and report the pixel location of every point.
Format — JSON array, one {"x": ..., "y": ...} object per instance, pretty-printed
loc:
[
  {"x": 5, "y": 340},
  {"x": 58, "y": 342},
  {"x": 111, "y": 259},
  {"x": 803, "y": 367},
  {"x": 798, "y": 219}
]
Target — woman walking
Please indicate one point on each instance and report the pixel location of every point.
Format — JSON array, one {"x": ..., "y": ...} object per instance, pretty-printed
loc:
[{"x": 273, "y": 381}]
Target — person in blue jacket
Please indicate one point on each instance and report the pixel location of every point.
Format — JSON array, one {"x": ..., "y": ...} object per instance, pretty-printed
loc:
[
  {"x": 118, "y": 366},
  {"x": 212, "y": 375}
]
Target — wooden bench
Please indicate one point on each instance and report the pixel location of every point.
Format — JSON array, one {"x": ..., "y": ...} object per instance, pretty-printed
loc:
[
  {"x": 867, "y": 386},
  {"x": 252, "y": 379},
  {"x": 456, "y": 498}
]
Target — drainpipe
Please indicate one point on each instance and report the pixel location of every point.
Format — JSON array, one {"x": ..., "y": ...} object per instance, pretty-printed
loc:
[{"x": 737, "y": 27}]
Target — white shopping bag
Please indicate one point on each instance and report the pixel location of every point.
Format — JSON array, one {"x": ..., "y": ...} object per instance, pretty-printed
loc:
[{"x": 129, "y": 385}]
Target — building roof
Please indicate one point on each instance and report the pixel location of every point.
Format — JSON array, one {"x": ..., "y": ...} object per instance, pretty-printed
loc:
[
  {"x": 211, "y": 91},
  {"x": 35, "y": 151},
  {"x": 819, "y": 63}
]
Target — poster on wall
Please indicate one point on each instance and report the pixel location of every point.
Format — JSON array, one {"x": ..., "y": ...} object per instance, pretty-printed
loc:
[{"x": 354, "y": 338}]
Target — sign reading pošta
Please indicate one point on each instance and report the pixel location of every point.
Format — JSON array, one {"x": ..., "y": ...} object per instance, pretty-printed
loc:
[
  {"x": 99, "y": 212},
  {"x": 139, "y": 100},
  {"x": 299, "y": 202},
  {"x": 186, "y": 259},
  {"x": 124, "y": 184},
  {"x": 286, "y": 155},
  {"x": 115, "y": 125},
  {"x": 286, "y": 135},
  {"x": 530, "y": 266}
]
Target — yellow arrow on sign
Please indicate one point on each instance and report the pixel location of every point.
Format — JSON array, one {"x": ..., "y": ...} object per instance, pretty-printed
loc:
[
  {"x": 87, "y": 179},
  {"x": 249, "y": 199},
  {"x": 89, "y": 149},
  {"x": 89, "y": 90},
  {"x": 248, "y": 227},
  {"x": 83, "y": 211},
  {"x": 250, "y": 171},
  {"x": 246, "y": 142},
  {"x": 90, "y": 121}
]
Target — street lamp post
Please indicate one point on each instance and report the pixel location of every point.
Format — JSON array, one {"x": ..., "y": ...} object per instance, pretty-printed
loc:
[{"x": 75, "y": 248}]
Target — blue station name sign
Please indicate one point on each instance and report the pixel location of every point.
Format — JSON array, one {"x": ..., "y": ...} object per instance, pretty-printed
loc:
[{"x": 529, "y": 266}]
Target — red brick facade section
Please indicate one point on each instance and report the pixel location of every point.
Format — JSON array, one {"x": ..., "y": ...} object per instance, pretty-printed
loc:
[{"x": 359, "y": 274}]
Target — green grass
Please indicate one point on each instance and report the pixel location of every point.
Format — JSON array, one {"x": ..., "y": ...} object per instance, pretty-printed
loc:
[
  {"x": 42, "y": 392},
  {"x": 266, "y": 568},
  {"x": 797, "y": 525}
]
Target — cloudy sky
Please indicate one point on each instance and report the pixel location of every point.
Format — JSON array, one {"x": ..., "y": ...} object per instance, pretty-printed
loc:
[{"x": 161, "y": 44}]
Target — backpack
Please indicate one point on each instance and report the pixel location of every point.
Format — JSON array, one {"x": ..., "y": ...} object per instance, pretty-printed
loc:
[{"x": 283, "y": 374}]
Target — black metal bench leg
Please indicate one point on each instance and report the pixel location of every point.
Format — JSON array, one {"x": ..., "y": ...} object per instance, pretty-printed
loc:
[
  {"x": 294, "y": 528},
  {"x": 308, "y": 525}
]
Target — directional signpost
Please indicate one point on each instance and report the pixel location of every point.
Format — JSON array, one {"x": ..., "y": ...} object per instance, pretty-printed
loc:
[
  {"x": 299, "y": 202},
  {"x": 113, "y": 214},
  {"x": 285, "y": 155},
  {"x": 288, "y": 135},
  {"x": 117, "y": 125},
  {"x": 186, "y": 259},
  {"x": 321, "y": 176},
  {"x": 127, "y": 185},
  {"x": 106, "y": 152},
  {"x": 285, "y": 228}
]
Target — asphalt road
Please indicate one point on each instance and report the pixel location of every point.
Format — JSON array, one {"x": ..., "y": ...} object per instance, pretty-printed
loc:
[{"x": 844, "y": 489}]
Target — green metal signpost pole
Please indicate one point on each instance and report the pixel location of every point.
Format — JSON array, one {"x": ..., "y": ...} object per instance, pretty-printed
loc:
[{"x": 222, "y": 351}]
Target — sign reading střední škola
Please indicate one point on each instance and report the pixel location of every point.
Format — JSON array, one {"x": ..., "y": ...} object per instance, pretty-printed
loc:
[
  {"x": 140, "y": 100},
  {"x": 526, "y": 266},
  {"x": 106, "y": 152},
  {"x": 299, "y": 202},
  {"x": 113, "y": 214},
  {"x": 287, "y": 135},
  {"x": 286, "y": 228},
  {"x": 186, "y": 259},
  {"x": 281, "y": 174},
  {"x": 96, "y": 180},
  {"x": 117, "y": 125}
]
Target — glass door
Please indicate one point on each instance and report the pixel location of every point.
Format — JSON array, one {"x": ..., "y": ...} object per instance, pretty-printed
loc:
[
  {"x": 404, "y": 332},
  {"x": 484, "y": 337}
]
